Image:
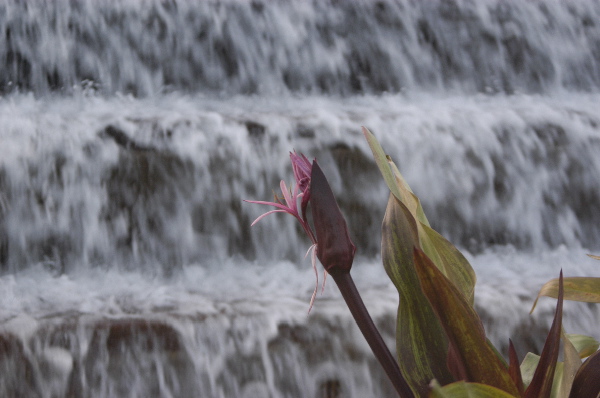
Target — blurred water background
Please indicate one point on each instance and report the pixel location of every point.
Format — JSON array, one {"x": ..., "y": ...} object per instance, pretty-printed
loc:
[{"x": 130, "y": 132}]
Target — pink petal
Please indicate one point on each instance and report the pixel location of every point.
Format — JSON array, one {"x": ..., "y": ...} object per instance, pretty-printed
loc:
[
  {"x": 286, "y": 194},
  {"x": 266, "y": 214},
  {"x": 278, "y": 205}
]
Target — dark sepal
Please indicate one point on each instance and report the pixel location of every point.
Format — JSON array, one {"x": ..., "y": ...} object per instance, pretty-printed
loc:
[{"x": 335, "y": 250}]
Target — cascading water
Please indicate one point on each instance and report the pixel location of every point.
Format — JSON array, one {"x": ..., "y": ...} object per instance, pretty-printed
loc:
[{"x": 131, "y": 131}]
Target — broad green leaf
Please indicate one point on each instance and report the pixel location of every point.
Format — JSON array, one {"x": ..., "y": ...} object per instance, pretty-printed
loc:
[
  {"x": 587, "y": 379},
  {"x": 462, "y": 389},
  {"x": 463, "y": 327},
  {"x": 381, "y": 160},
  {"x": 451, "y": 262},
  {"x": 541, "y": 383},
  {"x": 411, "y": 200},
  {"x": 557, "y": 380},
  {"x": 394, "y": 179},
  {"x": 585, "y": 289},
  {"x": 528, "y": 366},
  {"x": 564, "y": 372},
  {"x": 572, "y": 363},
  {"x": 443, "y": 254},
  {"x": 420, "y": 340},
  {"x": 585, "y": 345}
]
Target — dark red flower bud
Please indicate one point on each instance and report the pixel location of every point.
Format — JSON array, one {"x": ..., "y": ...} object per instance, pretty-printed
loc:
[{"x": 335, "y": 250}]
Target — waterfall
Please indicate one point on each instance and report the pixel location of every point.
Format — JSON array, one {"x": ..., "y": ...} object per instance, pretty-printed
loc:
[
  {"x": 131, "y": 132},
  {"x": 147, "y": 47},
  {"x": 160, "y": 184}
]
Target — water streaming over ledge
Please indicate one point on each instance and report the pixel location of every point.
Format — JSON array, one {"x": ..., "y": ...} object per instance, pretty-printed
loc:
[
  {"x": 330, "y": 47},
  {"x": 130, "y": 132}
]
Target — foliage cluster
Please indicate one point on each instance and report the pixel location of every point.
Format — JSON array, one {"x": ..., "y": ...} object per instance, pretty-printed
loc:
[{"x": 441, "y": 343}]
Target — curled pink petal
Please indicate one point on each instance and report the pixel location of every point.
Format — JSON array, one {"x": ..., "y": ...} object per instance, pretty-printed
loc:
[
  {"x": 302, "y": 170},
  {"x": 266, "y": 214}
]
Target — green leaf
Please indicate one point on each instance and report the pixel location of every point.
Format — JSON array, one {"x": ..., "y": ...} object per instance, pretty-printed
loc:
[
  {"x": 420, "y": 340},
  {"x": 462, "y": 389},
  {"x": 394, "y": 179},
  {"x": 587, "y": 379},
  {"x": 408, "y": 197},
  {"x": 382, "y": 162},
  {"x": 572, "y": 363},
  {"x": 450, "y": 261},
  {"x": 585, "y": 289},
  {"x": 557, "y": 379},
  {"x": 528, "y": 366},
  {"x": 463, "y": 327},
  {"x": 443, "y": 253},
  {"x": 585, "y": 345},
  {"x": 541, "y": 383}
]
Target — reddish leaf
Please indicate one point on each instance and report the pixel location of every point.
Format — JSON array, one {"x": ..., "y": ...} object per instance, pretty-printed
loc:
[
  {"x": 463, "y": 327},
  {"x": 335, "y": 250},
  {"x": 460, "y": 389},
  {"x": 541, "y": 383},
  {"x": 514, "y": 369},
  {"x": 587, "y": 380},
  {"x": 455, "y": 364}
]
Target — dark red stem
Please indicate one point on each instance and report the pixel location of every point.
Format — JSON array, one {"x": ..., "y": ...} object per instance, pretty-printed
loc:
[{"x": 345, "y": 283}]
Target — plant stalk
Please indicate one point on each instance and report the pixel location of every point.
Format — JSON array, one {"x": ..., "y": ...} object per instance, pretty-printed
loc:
[{"x": 345, "y": 283}]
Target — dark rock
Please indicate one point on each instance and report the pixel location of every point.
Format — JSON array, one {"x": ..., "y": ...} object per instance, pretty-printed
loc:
[
  {"x": 122, "y": 139},
  {"x": 255, "y": 130},
  {"x": 136, "y": 350},
  {"x": 147, "y": 188},
  {"x": 304, "y": 131},
  {"x": 18, "y": 375}
]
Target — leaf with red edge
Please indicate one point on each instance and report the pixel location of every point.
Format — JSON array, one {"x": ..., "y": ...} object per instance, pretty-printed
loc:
[
  {"x": 541, "y": 383},
  {"x": 587, "y": 380},
  {"x": 514, "y": 369},
  {"x": 443, "y": 253},
  {"x": 420, "y": 340},
  {"x": 463, "y": 327}
]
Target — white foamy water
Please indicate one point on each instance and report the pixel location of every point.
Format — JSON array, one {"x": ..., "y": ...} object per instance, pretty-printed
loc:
[
  {"x": 130, "y": 133},
  {"x": 79, "y": 292}
]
